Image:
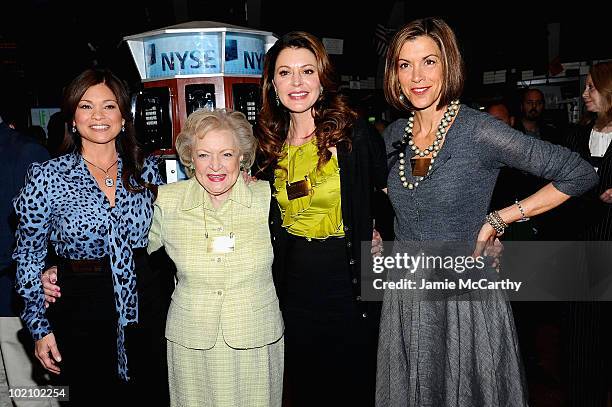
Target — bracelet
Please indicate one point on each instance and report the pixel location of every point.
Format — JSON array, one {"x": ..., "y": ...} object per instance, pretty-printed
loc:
[
  {"x": 523, "y": 217},
  {"x": 496, "y": 222}
]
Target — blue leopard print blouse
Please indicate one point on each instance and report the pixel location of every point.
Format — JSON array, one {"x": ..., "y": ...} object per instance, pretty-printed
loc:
[{"x": 61, "y": 203}]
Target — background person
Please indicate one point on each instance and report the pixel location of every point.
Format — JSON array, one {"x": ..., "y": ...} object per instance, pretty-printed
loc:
[
  {"x": 531, "y": 121},
  {"x": 500, "y": 111},
  {"x": 591, "y": 219},
  {"x": 18, "y": 152},
  {"x": 592, "y": 141}
]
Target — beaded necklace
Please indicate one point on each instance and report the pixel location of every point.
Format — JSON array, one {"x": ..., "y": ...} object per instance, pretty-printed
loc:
[{"x": 433, "y": 149}]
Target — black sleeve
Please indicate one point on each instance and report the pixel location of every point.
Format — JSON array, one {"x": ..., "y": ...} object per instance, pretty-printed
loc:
[
  {"x": 378, "y": 157},
  {"x": 576, "y": 139},
  {"x": 367, "y": 136}
]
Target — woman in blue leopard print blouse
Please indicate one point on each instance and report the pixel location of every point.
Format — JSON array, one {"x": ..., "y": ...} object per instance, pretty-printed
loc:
[{"x": 89, "y": 213}]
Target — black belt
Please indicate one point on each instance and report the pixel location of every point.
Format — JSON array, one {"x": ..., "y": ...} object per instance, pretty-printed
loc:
[
  {"x": 85, "y": 266},
  {"x": 99, "y": 265}
]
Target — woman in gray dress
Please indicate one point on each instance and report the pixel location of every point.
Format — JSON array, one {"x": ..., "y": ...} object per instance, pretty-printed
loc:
[{"x": 453, "y": 351}]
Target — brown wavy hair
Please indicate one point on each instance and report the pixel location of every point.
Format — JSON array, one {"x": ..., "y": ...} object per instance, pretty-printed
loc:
[
  {"x": 452, "y": 62},
  {"x": 332, "y": 116},
  {"x": 132, "y": 156}
]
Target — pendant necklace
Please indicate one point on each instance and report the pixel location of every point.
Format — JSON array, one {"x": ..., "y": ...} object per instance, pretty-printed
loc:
[
  {"x": 108, "y": 180},
  {"x": 297, "y": 189},
  {"x": 422, "y": 166}
]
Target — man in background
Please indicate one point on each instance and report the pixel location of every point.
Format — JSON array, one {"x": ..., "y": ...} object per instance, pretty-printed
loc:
[
  {"x": 500, "y": 111},
  {"x": 17, "y": 152},
  {"x": 531, "y": 121}
]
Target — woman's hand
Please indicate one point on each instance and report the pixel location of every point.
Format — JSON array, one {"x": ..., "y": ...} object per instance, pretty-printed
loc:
[
  {"x": 377, "y": 244},
  {"x": 45, "y": 350},
  {"x": 488, "y": 244},
  {"x": 606, "y": 196},
  {"x": 52, "y": 291}
]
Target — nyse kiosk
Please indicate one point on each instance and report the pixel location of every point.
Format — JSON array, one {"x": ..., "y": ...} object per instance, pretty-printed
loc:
[{"x": 190, "y": 66}]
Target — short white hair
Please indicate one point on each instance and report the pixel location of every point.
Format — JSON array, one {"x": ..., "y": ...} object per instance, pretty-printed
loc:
[{"x": 200, "y": 122}]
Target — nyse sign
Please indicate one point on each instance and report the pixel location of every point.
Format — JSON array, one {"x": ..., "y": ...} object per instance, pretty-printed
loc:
[
  {"x": 200, "y": 53},
  {"x": 244, "y": 54},
  {"x": 194, "y": 59},
  {"x": 186, "y": 54}
]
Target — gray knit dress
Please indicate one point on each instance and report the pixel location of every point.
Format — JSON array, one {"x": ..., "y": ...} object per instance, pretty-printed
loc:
[{"x": 457, "y": 352}]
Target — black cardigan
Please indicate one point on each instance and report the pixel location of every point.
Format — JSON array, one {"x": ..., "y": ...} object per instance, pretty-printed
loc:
[
  {"x": 363, "y": 169},
  {"x": 599, "y": 213}
]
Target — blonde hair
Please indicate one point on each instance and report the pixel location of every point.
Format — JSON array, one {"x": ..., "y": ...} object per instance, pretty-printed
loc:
[{"x": 201, "y": 122}]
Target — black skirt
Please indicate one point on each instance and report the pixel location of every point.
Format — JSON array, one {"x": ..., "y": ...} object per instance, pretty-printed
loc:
[
  {"x": 84, "y": 321},
  {"x": 330, "y": 348}
]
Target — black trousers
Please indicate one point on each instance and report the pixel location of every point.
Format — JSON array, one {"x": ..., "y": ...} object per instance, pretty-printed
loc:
[
  {"x": 84, "y": 321},
  {"x": 330, "y": 348}
]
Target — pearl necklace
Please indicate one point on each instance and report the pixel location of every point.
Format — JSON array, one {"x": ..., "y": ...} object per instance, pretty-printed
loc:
[{"x": 433, "y": 149}]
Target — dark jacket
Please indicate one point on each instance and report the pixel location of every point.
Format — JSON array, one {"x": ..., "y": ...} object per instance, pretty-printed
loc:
[
  {"x": 513, "y": 184},
  {"x": 17, "y": 152},
  {"x": 363, "y": 168},
  {"x": 547, "y": 132},
  {"x": 599, "y": 221}
]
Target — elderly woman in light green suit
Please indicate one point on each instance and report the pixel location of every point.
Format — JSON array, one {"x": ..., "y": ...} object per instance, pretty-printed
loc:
[{"x": 224, "y": 329}]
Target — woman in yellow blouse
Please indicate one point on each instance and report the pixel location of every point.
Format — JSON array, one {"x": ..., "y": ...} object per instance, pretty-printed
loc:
[
  {"x": 323, "y": 164},
  {"x": 224, "y": 329},
  {"x": 313, "y": 216}
]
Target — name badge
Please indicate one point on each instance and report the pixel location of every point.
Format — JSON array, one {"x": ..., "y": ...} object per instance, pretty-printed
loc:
[
  {"x": 298, "y": 189},
  {"x": 221, "y": 244}
]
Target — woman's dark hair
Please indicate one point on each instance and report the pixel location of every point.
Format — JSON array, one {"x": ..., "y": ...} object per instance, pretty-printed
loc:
[
  {"x": 58, "y": 139},
  {"x": 131, "y": 154},
  {"x": 332, "y": 116},
  {"x": 452, "y": 62}
]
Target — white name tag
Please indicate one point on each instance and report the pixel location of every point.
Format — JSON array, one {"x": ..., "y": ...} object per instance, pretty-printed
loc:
[{"x": 221, "y": 244}]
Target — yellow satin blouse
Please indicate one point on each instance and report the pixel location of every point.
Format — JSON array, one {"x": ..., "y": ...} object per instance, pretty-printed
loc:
[{"x": 317, "y": 215}]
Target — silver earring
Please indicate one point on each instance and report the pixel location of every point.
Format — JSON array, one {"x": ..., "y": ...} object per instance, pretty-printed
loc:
[
  {"x": 123, "y": 129},
  {"x": 402, "y": 97},
  {"x": 321, "y": 89},
  {"x": 277, "y": 100},
  {"x": 74, "y": 129}
]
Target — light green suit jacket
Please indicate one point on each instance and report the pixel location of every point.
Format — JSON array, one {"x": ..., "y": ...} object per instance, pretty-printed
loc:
[{"x": 228, "y": 297}]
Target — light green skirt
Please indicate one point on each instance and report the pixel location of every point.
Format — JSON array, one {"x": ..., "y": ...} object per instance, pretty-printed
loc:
[{"x": 224, "y": 376}]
